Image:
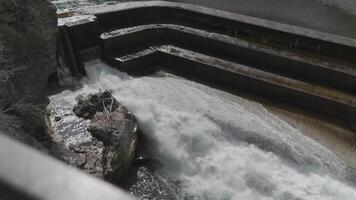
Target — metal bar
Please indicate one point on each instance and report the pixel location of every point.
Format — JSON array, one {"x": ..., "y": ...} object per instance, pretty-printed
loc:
[{"x": 26, "y": 173}]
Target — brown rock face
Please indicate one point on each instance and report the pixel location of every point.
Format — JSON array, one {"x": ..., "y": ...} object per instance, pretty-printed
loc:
[
  {"x": 88, "y": 105},
  {"x": 103, "y": 145},
  {"x": 118, "y": 131},
  {"x": 28, "y": 31}
]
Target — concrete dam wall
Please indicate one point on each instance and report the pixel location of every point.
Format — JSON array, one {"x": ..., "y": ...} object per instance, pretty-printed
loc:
[{"x": 286, "y": 64}]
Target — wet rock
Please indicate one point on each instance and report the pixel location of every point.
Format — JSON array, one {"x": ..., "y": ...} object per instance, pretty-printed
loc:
[
  {"x": 118, "y": 131},
  {"x": 149, "y": 163},
  {"x": 90, "y": 157},
  {"x": 88, "y": 105},
  {"x": 110, "y": 126},
  {"x": 103, "y": 146},
  {"x": 57, "y": 118},
  {"x": 155, "y": 185},
  {"x": 71, "y": 142}
]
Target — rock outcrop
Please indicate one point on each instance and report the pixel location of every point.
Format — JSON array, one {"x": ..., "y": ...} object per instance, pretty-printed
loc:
[
  {"x": 118, "y": 131},
  {"x": 28, "y": 31},
  {"x": 98, "y": 135},
  {"x": 70, "y": 140},
  {"x": 89, "y": 105},
  {"x": 150, "y": 184}
]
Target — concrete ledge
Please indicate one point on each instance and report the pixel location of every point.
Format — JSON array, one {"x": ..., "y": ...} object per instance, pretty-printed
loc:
[
  {"x": 259, "y": 30},
  {"x": 28, "y": 174},
  {"x": 79, "y": 38},
  {"x": 272, "y": 86},
  {"x": 313, "y": 70}
]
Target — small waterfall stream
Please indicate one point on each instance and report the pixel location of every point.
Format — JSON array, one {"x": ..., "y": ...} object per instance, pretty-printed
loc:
[{"x": 214, "y": 145}]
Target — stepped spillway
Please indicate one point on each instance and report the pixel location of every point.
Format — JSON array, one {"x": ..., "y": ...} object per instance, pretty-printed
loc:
[
  {"x": 287, "y": 64},
  {"x": 218, "y": 145},
  {"x": 171, "y": 56}
]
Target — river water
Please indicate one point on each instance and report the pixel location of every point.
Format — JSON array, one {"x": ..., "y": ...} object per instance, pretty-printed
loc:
[
  {"x": 214, "y": 145},
  {"x": 217, "y": 145}
]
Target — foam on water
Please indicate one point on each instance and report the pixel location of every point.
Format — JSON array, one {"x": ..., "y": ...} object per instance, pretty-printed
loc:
[{"x": 221, "y": 146}]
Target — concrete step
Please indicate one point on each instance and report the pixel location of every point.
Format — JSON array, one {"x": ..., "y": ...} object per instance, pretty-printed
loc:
[
  {"x": 285, "y": 63},
  {"x": 273, "y": 86},
  {"x": 274, "y": 34},
  {"x": 335, "y": 73}
]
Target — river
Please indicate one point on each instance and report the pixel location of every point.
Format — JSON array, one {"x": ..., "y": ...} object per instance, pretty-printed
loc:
[{"x": 217, "y": 145}]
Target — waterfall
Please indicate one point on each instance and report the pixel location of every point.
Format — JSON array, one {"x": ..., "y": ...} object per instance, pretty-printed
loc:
[{"x": 220, "y": 146}]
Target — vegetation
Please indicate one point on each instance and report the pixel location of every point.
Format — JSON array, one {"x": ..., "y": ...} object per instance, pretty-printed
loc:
[{"x": 27, "y": 44}]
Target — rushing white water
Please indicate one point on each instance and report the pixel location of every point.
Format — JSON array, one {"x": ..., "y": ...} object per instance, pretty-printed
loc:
[{"x": 221, "y": 146}]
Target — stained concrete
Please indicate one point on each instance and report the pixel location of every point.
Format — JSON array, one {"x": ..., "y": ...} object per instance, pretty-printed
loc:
[
  {"x": 326, "y": 71},
  {"x": 278, "y": 88},
  {"x": 338, "y": 19}
]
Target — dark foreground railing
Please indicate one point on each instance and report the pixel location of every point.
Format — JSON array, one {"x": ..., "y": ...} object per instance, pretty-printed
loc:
[{"x": 26, "y": 174}]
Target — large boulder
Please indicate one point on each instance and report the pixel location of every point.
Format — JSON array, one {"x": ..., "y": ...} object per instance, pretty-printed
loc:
[
  {"x": 118, "y": 131},
  {"x": 70, "y": 140},
  {"x": 149, "y": 184},
  {"x": 103, "y": 145}
]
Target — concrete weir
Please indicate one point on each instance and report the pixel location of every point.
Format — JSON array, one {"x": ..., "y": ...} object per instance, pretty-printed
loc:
[{"x": 292, "y": 65}]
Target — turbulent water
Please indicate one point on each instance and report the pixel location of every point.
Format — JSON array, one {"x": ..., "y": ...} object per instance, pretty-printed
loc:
[{"x": 219, "y": 146}]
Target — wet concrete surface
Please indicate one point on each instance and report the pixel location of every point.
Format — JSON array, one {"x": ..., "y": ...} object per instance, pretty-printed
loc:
[
  {"x": 339, "y": 140},
  {"x": 305, "y": 13},
  {"x": 312, "y": 15}
]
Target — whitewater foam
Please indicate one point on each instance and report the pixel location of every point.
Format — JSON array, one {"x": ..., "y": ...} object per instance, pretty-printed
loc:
[{"x": 221, "y": 146}]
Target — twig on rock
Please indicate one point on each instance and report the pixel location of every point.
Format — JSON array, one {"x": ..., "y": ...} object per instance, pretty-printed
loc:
[
  {"x": 112, "y": 102},
  {"x": 14, "y": 106},
  {"x": 107, "y": 116}
]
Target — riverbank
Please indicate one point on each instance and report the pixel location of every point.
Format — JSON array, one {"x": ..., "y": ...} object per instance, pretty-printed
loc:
[{"x": 28, "y": 31}]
